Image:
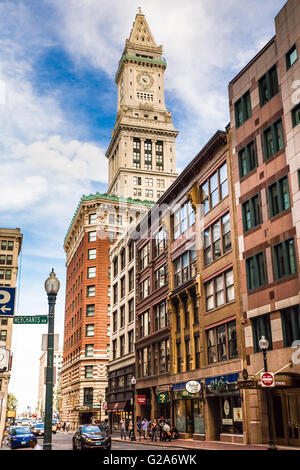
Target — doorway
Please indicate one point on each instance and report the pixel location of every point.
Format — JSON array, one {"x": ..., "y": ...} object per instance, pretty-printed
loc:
[{"x": 286, "y": 417}]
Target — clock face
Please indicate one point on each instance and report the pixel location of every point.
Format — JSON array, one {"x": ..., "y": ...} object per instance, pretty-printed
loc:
[{"x": 145, "y": 80}]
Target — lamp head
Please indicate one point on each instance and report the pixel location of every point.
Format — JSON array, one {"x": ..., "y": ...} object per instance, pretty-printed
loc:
[
  {"x": 263, "y": 343},
  {"x": 52, "y": 284},
  {"x": 133, "y": 381}
]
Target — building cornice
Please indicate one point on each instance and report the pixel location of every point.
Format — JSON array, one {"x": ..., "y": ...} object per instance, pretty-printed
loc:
[{"x": 133, "y": 59}]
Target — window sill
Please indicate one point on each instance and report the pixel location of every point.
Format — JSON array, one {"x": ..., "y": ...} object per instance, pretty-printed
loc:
[
  {"x": 220, "y": 306},
  {"x": 273, "y": 218},
  {"x": 268, "y": 160}
]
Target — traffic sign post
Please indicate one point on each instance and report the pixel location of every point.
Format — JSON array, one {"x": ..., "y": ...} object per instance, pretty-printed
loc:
[
  {"x": 267, "y": 379},
  {"x": 30, "y": 319}
]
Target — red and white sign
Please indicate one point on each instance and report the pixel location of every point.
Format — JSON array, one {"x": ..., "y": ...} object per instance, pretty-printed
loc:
[
  {"x": 141, "y": 399},
  {"x": 267, "y": 379},
  {"x": 68, "y": 415}
]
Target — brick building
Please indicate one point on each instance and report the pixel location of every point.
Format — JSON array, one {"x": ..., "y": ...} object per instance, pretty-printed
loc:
[{"x": 265, "y": 136}]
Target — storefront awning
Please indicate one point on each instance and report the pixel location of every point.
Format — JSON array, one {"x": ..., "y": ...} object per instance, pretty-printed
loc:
[{"x": 119, "y": 406}]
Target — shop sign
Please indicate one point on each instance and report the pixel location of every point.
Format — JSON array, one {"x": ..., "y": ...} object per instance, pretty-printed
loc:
[
  {"x": 237, "y": 414},
  {"x": 227, "y": 422},
  {"x": 163, "y": 398},
  {"x": 141, "y": 399},
  {"x": 163, "y": 388},
  {"x": 223, "y": 384},
  {"x": 226, "y": 407},
  {"x": 192, "y": 386},
  {"x": 182, "y": 385}
]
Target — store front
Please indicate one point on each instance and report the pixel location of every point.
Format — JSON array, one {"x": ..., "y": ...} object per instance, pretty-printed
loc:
[
  {"x": 188, "y": 411},
  {"x": 285, "y": 408},
  {"x": 163, "y": 402},
  {"x": 224, "y": 408},
  {"x": 117, "y": 412}
]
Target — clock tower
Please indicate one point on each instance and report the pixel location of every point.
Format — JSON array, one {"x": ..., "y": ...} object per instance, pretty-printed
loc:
[{"x": 141, "y": 154}]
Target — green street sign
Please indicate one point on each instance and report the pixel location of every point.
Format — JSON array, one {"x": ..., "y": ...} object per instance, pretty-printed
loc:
[{"x": 31, "y": 319}]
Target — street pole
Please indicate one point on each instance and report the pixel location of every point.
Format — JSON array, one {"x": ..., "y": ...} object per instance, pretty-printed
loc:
[
  {"x": 133, "y": 382},
  {"x": 264, "y": 344},
  {"x": 52, "y": 287}
]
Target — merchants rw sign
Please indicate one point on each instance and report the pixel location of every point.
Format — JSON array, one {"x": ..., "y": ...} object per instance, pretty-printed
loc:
[{"x": 267, "y": 379}]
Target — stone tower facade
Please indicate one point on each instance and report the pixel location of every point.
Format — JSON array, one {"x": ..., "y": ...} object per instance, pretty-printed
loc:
[{"x": 141, "y": 154}]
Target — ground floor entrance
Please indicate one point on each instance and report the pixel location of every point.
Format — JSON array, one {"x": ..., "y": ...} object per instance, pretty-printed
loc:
[{"x": 286, "y": 416}]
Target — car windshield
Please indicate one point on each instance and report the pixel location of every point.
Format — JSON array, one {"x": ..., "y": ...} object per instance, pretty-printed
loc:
[
  {"x": 22, "y": 430},
  {"x": 91, "y": 429}
]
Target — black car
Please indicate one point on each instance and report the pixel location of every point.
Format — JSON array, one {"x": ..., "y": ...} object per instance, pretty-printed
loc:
[{"x": 91, "y": 436}]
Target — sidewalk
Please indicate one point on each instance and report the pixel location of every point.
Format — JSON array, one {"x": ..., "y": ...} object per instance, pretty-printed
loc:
[{"x": 198, "y": 445}]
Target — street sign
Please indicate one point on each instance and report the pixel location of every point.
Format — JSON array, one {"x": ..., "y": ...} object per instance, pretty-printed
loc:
[
  {"x": 7, "y": 301},
  {"x": 45, "y": 342},
  {"x": 31, "y": 319},
  {"x": 267, "y": 379}
]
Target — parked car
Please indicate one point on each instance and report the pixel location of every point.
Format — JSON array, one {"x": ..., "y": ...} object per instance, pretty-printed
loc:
[
  {"x": 20, "y": 436},
  {"x": 91, "y": 436},
  {"x": 38, "y": 429}
]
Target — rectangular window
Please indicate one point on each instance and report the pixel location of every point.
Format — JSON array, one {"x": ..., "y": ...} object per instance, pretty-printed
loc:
[
  {"x": 197, "y": 351},
  {"x": 243, "y": 110},
  {"x": 89, "y": 330},
  {"x": 114, "y": 349},
  {"x": 222, "y": 343},
  {"x": 92, "y": 218},
  {"x": 91, "y": 272},
  {"x": 185, "y": 267},
  {"x": 268, "y": 86},
  {"x": 296, "y": 115},
  {"x": 10, "y": 245},
  {"x": 115, "y": 320},
  {"x": 160, "y": 277},
  {"x": 115, "y": 293},
  {"x": 247, "y": 159},
  {"x": 131, "y": 310},
  {"x": 160, "y": 242},
  {"x": 261, "y": 326},
  {"x": 122, "y": 345},
  {"x": 137, "y": 180},
  {"x": 284, "y": 259},
  {"x": 2, "y": 259},
  {"x": 130, "y": 341},
  {"x": 88, "y": 396},
  {"x": 90, "y": 310},
  {"x": 122, "y": 287},
  {"x": 214, "y": 189},
  {"x": 219, "y": 290},
  {"x": 290, "y": 319},
  {"x": 143, "y": 324},
  {"x": 122, "y": 316},
  {"x": 130, "y": 280},
  {"x": 279, "y": 196},
  {"x": 92, "y": 253},
  {"x": 144, "y": 254},
  {"x": 130, "y": 251},
  {"x": 3, "y": 244},
  {"x": 136, "y": 153},
  {"x": 256, "y": 271},
  {"x": 90, "y": 291},
  {"x": 273, "y": 140},
  {"x": 251, "y": 213},
  {"x": 144, "y": 289},
  {"x": 92, "y": 236},
  {"x": 183, "y": 219},
  {"x": 291, "y": 57},
  {"x": 8, "y": 274},
  {"x": 3, "y": 335},
  {"x": 9, "y": 259},
  {"x": 160, "y": 316},
  {"x": 88, "y": 372},
  {"x": 159, "y": 156}
]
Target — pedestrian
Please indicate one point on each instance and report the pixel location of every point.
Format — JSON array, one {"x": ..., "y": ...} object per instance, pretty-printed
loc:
[
  {"x": 130, "y": 430},
  {"x": 145, "y": 426},
  {"x": 123, "y": 429},
  {"x": 155, "y": 429},
  {"x": 64, "y": 426},
  {"x": 33, "y": 443},
  {"x": 167, "y": 432},
  {"x": 139, "y": 429},
  {"x": 68, "y": 426},
  {"x": 161, "y": 432}
]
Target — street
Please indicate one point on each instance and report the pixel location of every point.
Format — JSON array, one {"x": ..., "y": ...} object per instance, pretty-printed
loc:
[{"x": 63, "y": 441}]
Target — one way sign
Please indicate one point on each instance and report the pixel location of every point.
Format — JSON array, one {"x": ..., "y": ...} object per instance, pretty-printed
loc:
[{"x": 7, "y": 301}]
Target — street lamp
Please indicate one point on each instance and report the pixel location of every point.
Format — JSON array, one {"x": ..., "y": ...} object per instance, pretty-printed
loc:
[
  {"x": 100, "y": 397},
  {"x": 264, "y": 344},
  {"x": 52, "y": 285},
  {"x": 133, "y": 382}
]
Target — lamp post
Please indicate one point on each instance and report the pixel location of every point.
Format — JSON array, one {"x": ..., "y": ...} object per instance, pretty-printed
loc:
[
  {"x": 264, "y": 344},
  {"x": 100, "y": 397},
  {"x": 133, "y": 382},
  {"x": 52, "y": 285}
]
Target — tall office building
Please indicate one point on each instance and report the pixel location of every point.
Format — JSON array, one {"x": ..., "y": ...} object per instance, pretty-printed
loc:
[{"x": 10, "y": 248}]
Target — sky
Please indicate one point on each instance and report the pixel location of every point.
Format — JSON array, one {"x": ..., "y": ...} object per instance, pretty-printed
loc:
[{"x": 58, "y": 104}]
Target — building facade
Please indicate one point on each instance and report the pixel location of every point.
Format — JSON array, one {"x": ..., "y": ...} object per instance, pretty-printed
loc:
[
  {"x": 57, "y": 362},
  {"x": 141, "y": 153},
  {"x": 121, "y": 366},
  {"x": 265, "y": 135},
  {"x": 98, "y": 221},
  {"x": 10, "y": 248}
]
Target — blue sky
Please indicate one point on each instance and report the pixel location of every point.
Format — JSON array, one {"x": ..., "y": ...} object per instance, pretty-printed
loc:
[{"x": 57, "y": 61}]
